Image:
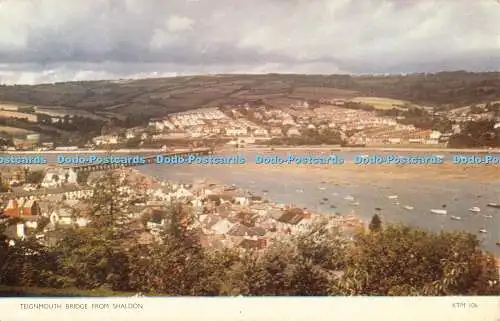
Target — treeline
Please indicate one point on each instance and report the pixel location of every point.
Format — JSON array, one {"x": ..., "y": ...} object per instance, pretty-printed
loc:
[
  {"x": 454, "y": 89},
  {"x": 387, "y": 260},
  {"x": 477, "y": 134}
]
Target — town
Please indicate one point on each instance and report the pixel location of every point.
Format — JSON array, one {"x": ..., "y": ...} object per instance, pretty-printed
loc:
[
  {"x": 330, "y": 122},
  {"x": 225, "y": 216}
]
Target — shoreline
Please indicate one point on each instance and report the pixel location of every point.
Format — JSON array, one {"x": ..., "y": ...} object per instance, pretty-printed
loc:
[
  {"x": 337, "y": 148},
  {"x": 334, "y": 148},
  {"x": 345, "y": 221}
]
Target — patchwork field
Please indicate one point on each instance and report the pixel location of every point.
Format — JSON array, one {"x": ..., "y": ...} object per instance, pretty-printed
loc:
[{"x": 380, "y": 102}]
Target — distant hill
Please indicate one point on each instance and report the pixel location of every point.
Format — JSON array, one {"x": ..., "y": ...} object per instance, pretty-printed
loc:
[{"x": 145, "y": 98}]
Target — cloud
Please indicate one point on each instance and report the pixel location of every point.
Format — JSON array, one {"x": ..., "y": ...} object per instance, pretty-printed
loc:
[{"x": 42, "y": 40}]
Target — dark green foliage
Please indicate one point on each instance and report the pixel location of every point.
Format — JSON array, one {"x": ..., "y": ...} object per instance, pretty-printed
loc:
[
  {"x": 35, "y": 177},
  {"x": 375, "y": 223},
  {"x": 477, "y": 134},
  {"x": 401, "y": 260},
  {"x": 396, "y": 260}
]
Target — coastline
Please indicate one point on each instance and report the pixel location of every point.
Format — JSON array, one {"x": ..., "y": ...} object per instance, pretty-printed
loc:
[
  {"x": 369, "y": 173},
  {"x": 338, "y": 148},
  {"x": 251, "y": 148},
  {"x": 346, "y": 221}
]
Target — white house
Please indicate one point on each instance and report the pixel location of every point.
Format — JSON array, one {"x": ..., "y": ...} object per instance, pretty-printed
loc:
[
  {"x": 181, "y": 192},
  {"x": 62, "y": 216},
  {"x": 82, "y": 222},
  {"x": 276, "y": 131},
  {"x": 260, "y": 132},
  {"x": 293, "y": 132},
  {"x": 236, "y": 131},
  {"x": 242, "y": 200},
  {"x": 57, "y": 176},
  {"x": 435, "y": 135},
  {"x": 222, "y": 227},
  {"x": 105, "y": 140}
]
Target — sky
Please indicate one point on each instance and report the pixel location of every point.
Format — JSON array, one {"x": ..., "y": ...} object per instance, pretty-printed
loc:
[{"x": 56, "y": 40}]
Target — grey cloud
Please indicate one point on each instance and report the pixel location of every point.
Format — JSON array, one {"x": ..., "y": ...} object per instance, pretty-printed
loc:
[{"x": 50, "y": 39}]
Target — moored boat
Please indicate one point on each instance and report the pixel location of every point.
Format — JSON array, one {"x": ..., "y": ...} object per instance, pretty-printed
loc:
[
  {"x": 349, "y": 198},
  {"x": 392, "y": 197},
  {"x": 483, "y": 230},
  {"x": 456, "y": 218},
  {"x": 409, "y": 208},
  {"x": 439, "y": 212},
  {"x": 494, "y": 205},
  {"x": 475, "y": 209}
]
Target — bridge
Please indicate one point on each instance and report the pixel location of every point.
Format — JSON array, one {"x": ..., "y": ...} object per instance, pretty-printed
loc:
[{"x": 148, "y": 160}]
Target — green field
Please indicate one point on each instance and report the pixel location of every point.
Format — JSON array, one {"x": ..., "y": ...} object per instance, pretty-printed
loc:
[{"x": 380, "y": 102}]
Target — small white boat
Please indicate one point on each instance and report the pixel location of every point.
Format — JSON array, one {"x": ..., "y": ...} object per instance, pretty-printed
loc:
[
  {"x": 456, "y": 218},
  {"x": 335, "y": 194},
  {"x": 494, "y": 205},
  {"x": 349, "y": 198},
  {"x": 409, "y": 208},
  {"x": 300, "y": 191},
  {"x": 439, "y": 212},
  {"x": 475, "y": 209},
  {"x": 396, "y": 203},
  {"x": 392, "y": 197},
  {"x": 322, "y": 188},
  {"x": 483, "y": 230},
  {"x": 355, "y": 204},
  {"x": 488, "y": 216}
]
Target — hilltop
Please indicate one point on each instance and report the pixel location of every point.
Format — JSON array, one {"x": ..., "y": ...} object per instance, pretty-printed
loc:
[
  {"x": 73, "y": 112},
  {"x": 156, "y": 97}
]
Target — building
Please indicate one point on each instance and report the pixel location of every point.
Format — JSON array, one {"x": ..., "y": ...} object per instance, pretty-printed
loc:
[
  {"x": 55, "y": 177},
  {"x": 293, "y": 132},
  {"x": 236, "y": 131},
  {"x": 22, "y": 207}
]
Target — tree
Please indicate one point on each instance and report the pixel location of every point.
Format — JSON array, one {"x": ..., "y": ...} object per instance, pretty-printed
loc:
[
  {"x": 178, "y": 261},
  {"x": 375, "y": 223},
  {"x": 34, "y": 177},
  {"x": 400, "y": 260},
  {"x": 82, "y": 177},
  {"x": 94, "y": 257}
]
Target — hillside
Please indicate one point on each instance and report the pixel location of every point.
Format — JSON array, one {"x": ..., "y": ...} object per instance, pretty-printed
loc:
[{"x": 147, "y": 98}]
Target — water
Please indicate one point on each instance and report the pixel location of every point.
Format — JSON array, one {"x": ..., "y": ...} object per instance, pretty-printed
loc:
[
  {"x": 282, "y": 185},
  {"x": 302, "y": 189}
]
